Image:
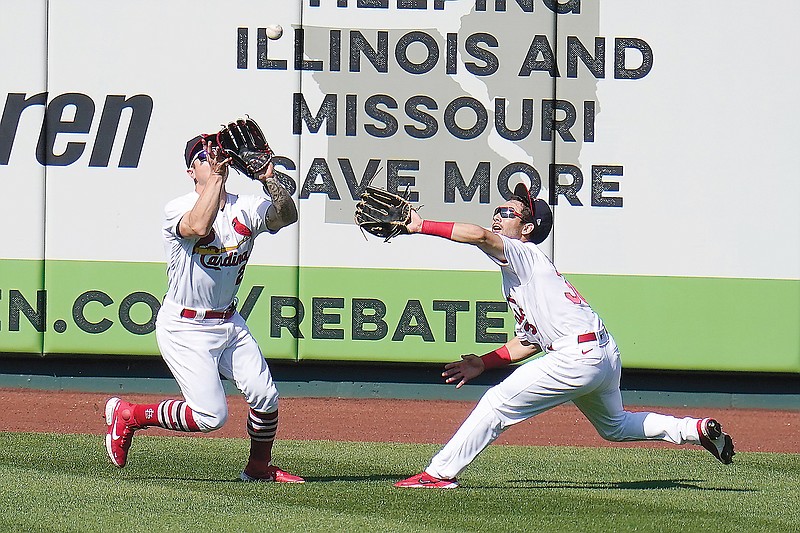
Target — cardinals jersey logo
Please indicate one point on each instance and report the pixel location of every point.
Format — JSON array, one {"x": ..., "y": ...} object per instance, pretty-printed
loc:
[
  {"x": 217, "y": 261},
  {"x": 240, "y": 228},
  {"x": 216, "y": 257}
]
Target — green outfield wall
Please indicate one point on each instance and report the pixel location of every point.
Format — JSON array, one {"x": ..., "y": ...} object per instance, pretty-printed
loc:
[
  {"x": 648, "y": 127},
  {"x": 413, "y": 316}
]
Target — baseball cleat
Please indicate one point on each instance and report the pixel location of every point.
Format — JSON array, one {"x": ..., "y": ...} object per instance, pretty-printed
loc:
[
  {"x": 119, "y": 434},
  {"x": 273, "y": 474},
  {"x": 714, "y": 440},
  {"x": 426, "y": 481}
]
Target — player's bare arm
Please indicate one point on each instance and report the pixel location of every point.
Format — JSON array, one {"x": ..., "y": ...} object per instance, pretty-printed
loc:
[
  {"x": 210, "y": 176},
  {"x": 283, "y": 210},
  {"x": 472, "y": 366},
  {"x": 490, "y": 243}
]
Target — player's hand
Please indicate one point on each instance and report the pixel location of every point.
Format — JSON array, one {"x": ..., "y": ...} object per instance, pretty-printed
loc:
[
  {"x": 216, "y": 160},
  {"x": 470, "y": 367},
  {"x": 415, "y": 225},
  {"x": 269, "y": 171}
]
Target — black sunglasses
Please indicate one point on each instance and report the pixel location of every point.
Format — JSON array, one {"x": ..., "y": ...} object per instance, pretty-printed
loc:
[
  {"x": 507, "y": 212},
  {"x": 201, "y": 156}
]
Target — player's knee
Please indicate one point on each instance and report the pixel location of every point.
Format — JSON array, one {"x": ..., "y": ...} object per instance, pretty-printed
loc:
[
  {"x": 267, "y": 404},
  {"x": 208, "y": 422},
  {"x": 613, "y": 436},
  {"x": 615, "y": 433},
  {"x": 265, "y": 400},
  {"x": 494, "y": 414}
]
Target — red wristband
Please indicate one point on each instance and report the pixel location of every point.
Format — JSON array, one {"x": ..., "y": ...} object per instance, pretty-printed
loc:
[
  {"x": 441, "y": 229},
  {"x": 497, "y": 358}
]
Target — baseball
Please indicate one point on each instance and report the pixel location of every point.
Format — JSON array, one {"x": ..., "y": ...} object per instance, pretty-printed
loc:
[{"x": 274, "y": 31}]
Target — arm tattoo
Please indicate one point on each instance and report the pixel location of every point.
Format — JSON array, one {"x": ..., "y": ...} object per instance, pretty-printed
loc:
[{"x": 283, "y": 210}]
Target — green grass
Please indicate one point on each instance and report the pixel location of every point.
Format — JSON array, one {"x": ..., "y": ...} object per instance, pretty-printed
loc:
[{"x": 60, "y": 482}]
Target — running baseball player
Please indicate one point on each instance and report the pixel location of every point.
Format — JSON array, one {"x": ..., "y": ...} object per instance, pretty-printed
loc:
[
  {"x": 581, "y": 362},
  {"x": 208, "y": 237}
]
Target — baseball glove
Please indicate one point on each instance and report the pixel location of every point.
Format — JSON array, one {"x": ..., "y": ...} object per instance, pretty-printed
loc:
[
  {"x": 245, "y": 144},
  {"x": 382, "y": 213}
]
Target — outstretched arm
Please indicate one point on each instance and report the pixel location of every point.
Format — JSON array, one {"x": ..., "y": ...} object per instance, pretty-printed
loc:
[
  {"x": 490, "y": 243},
  {"x": 283, "y": 210},
  {"x": 472, "y": 366}
]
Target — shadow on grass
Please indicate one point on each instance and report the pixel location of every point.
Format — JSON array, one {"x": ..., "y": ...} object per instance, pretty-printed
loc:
[
  {"x": 309, "y": 479},
  {"x": 691, "y": 484},
  {"x": 655, "y": 484},
  {"x": 334, "y": 479}
]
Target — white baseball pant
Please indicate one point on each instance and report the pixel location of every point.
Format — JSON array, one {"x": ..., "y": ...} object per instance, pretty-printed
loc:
[
  {"x": 588, "y": 374},
  {"x": 197, "y": 351}
]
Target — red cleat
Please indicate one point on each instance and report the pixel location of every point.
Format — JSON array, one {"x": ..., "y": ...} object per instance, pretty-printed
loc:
[
  {"x": 426, "y": 481},
  {"x": 274, "y": 474},
  {"x": 715, "y": 440},
  {"x": 119, "y": 434}
]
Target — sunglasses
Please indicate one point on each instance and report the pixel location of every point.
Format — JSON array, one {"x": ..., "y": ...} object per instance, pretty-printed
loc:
[
  {"x": 507, "y": 212},
  {"x": 201, "y": 156}
]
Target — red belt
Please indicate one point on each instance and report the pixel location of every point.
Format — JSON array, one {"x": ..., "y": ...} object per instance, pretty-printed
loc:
[{"x": 224, "y": 315}]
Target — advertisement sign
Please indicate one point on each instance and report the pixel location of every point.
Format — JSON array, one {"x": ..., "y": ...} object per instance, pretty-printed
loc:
[{"x": 658, "y": 134}]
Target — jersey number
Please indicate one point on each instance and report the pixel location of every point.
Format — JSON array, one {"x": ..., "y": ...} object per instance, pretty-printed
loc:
[
  {"x": 240, "y": 275},
  {"x": 574, "y": 296},
  {"x": 519, "y": 314}
]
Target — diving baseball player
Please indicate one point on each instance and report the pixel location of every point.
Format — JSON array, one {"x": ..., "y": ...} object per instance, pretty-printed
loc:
[
  {"x": 581, "y": 362},
  {"x": 208, "y": 237}
]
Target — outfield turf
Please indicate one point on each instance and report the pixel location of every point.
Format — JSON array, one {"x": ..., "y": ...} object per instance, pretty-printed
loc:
[{"x": 56, "y": 482}]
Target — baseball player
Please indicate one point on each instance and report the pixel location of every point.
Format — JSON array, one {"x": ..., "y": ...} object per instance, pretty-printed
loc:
[
  {"x": 581, "y": 362},
  {"x": 208, "y": 237}
]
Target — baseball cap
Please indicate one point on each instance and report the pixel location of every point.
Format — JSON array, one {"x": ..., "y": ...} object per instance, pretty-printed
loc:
[
  {"x": 193, "y": 146},
  {"x": 542, "y": 215}
]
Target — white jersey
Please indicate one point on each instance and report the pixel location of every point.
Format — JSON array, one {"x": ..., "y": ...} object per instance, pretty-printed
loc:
[
  {"x": 546, "y": 306},
  {"x": 205, "y": 273}
]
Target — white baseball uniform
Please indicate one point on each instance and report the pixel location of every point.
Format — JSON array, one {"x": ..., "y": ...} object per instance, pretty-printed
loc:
[
  {"x": 581, "y": 364},
  {"x": 204, "y": 275}
]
